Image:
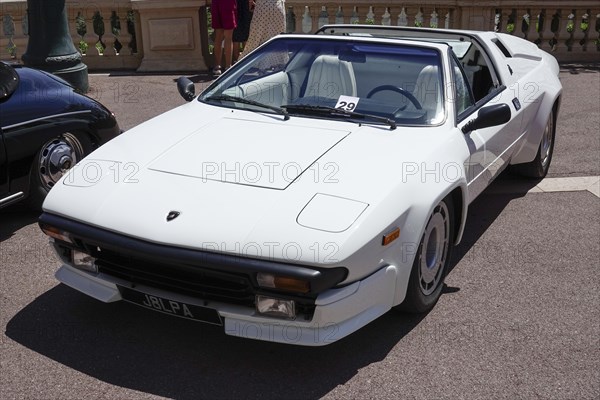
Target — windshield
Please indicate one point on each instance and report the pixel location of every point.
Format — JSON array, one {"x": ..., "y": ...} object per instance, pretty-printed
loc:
[{"x": 378, "y": 82}]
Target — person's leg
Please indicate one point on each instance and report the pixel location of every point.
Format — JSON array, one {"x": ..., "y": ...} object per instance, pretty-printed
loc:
[
  {"x": 228, "y": 46},
  {"x": 236, "y": 52},
  {"x": 216, "y": 10},
  {"x": 218, "y": 50},
  {"x": 241, "y": 31}
]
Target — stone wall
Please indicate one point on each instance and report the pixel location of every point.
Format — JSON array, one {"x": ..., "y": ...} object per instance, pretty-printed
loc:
[{"x": 172, "y": 35}]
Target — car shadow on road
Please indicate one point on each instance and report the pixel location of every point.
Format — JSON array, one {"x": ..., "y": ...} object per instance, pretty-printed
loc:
[
  {"x": 487, "y": 208},
  {"x": 14, "y": 218},
  {"x": 576, "y": 68},
  {"x": 128, "y": 346},
  {"x": 135, "y": 348}
]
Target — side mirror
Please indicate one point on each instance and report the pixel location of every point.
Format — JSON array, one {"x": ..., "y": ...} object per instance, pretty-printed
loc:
[
  {"x": 186, "y": 88},
  {"x": 495, "y": 115}
]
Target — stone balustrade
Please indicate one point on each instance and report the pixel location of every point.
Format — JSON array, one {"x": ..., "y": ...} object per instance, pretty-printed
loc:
[
  {"x": 103, "y": 31},
  {"x": 169, "y": 35},
  {"x": 307, "y": 16},
  {"x": 571, "y": 32}
]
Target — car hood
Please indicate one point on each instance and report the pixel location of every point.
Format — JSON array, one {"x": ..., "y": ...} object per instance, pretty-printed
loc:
[
  {"x": 236, "y": 150},
  {"x": 224, "y": 171},
  {"x": 251, "y": 183}
]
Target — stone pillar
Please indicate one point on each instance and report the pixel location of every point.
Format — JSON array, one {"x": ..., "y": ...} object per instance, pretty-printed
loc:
[{"x": 171, "y": 38}]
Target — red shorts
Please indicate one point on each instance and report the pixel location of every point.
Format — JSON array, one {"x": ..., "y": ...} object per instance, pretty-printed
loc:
[{"x": 224, "y": 14}]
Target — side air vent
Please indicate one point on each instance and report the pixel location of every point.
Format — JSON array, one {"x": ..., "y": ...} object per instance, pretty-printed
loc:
[{"x": 502, "y": 48}]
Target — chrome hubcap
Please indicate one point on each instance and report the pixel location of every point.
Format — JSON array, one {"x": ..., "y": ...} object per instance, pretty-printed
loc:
[
  {"x": 434, "y": 250},
  {"x": 57, "y": 157},
  {"x": 547, "y": 142}
]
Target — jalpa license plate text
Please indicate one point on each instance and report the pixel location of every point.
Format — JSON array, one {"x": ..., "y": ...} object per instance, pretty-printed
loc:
[{"x": 173, "y": 307}]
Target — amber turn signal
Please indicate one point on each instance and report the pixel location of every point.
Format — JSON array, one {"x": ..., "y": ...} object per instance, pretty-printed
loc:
[
  {"x": 391, "y": 236},
  {"x": 283, "y": 283},
  {"x": 56, "y": 233}
]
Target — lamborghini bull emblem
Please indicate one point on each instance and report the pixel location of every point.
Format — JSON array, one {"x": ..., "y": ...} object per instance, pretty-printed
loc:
[{"x": 172, "y": 215}]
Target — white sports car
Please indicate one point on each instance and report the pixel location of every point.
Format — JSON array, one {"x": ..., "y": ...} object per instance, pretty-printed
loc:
[{"x": 321, "y": 181}]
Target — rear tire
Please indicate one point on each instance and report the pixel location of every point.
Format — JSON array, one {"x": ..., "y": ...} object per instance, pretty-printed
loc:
[
  {"x": 431, "y": 261},
  {"x": 538, "y": 168},
  {"x": 54, "y": 159}
]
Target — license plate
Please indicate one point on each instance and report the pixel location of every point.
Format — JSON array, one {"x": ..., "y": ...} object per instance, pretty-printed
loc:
[{"x": 177, "y": 308}]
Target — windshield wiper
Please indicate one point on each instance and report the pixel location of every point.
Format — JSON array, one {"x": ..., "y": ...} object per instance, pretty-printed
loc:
[
  {"x": 226, "y": 97},
  {"x": 332, "y": 111}
]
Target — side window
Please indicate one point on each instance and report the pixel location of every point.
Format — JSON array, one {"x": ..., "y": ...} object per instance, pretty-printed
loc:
[
  {"x": 479, "y": 72},
  {"x": 463, "y": 97}
]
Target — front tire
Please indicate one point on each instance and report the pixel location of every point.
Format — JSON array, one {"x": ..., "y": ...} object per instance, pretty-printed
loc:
[
  {"x": 431, "y": 261},
  {"x": 54, "y": 159},
  {"x": 538, "y": 168}
]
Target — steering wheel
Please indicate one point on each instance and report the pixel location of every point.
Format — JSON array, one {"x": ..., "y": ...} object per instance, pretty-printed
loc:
[{"x": 396, "y": 89}]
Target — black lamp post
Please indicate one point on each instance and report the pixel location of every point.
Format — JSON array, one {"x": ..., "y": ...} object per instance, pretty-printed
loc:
[{"x": 50, "y": 46}]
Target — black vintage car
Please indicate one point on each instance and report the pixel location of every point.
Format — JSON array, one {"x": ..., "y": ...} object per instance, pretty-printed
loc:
[{"x": 46, "y": 127}]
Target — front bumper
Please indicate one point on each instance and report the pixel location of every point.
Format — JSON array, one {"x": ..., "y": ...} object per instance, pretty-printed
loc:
[
  {"x": 210, "y": 276},
  {"x": 223, "y": 288},
  {"x": 338, "y": 311}
]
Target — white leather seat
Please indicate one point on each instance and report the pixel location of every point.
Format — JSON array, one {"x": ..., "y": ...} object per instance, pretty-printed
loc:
[
  {"x": 428, "y": 91},
  {"x": 331, "y": 77}
]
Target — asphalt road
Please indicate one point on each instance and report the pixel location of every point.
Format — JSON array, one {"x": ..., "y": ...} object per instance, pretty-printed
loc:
[{"x": 519, "y": 317}]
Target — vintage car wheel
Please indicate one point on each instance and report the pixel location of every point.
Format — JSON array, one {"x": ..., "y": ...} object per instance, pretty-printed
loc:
[
  {"x": 538, "y": 168},
  {"x": 431, "y": 261},
  {"x": 54, "y": 159}
]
